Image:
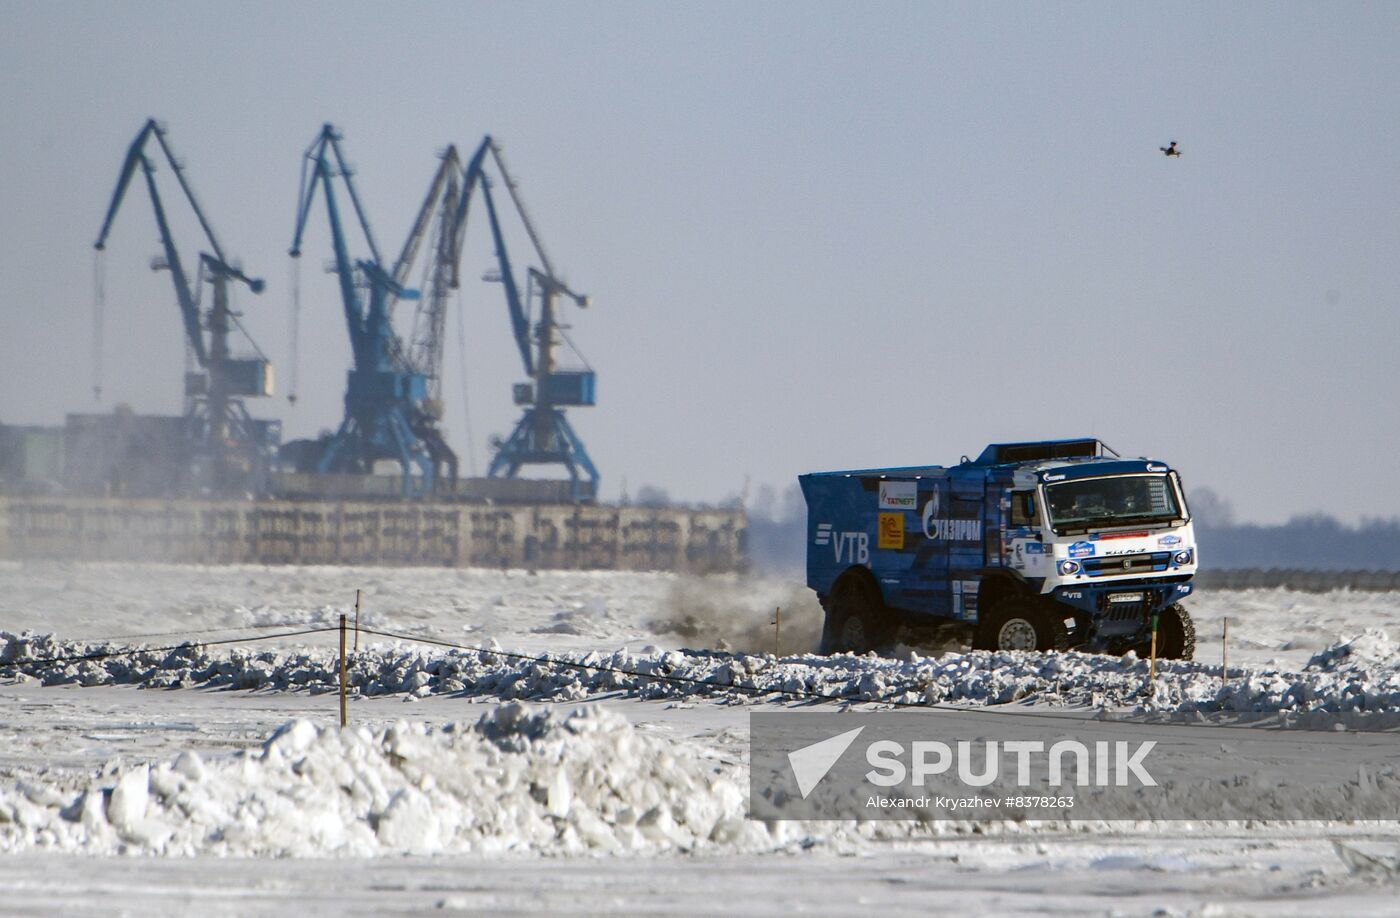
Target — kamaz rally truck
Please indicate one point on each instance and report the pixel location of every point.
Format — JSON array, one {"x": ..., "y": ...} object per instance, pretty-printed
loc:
[{"x": 1030, "y": 546}]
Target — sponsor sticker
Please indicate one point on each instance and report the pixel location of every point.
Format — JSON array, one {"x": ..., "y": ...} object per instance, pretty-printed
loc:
[
  {"x": 899, "y": 495},
  {"x": 1035, "y": 548},
  {"x": 949, "y": 530},
  {"x": 1082, "y": 550},
  {"x": 1169, "y": 541},
  {"x": 892, "y": 530}
]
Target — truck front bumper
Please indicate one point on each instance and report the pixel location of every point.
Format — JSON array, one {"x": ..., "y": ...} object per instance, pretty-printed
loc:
[{"x": 1121, "y": 610}]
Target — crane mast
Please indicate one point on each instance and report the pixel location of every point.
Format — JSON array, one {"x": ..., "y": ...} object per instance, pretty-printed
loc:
[{"x": 232, "y": 453}]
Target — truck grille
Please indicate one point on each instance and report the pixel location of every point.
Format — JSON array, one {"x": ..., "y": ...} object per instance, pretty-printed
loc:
[
  {"x": 1145, "y": 563},
  {"x": 1125, "y": 612}
]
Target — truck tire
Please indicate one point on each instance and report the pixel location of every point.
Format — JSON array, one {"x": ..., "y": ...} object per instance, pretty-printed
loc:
[
  {"x": 1016, "y": 624},
  {"x": 1176, "y": 634},
  {"x": 856, "y": 618}
]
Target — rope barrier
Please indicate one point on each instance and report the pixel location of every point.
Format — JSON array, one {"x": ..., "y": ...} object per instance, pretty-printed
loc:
[
  {"x": 547, "y": 661},
  {"x": 231, "y": 629},
  {"x": 131, "y": 652}
]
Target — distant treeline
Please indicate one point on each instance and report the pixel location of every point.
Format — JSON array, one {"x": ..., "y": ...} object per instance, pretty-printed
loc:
[
  {"x": 777, "y": 530},
  {"x": 1312, "y": 542}
]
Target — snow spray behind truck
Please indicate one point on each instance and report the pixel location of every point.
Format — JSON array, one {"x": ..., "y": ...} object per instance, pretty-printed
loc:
[{"x": 1030, "y": 546}]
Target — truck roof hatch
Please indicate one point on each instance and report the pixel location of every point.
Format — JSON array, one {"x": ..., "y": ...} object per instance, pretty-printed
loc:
[{"x": 1006, "y": 453}]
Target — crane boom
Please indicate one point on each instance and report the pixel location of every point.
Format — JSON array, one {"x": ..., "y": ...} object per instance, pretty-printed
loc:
[
  {"x": 519, "y": 320},
  {"x": 320, "y": 174},
  {"x": 189, "y": 312},
  {"x": 449, "y": 165},
  {"x": 430, "y": 320},
  {"x": 520, "y": 206},
  {"x": 186, "y": 295},
  {"x": 179, "y": 171}
]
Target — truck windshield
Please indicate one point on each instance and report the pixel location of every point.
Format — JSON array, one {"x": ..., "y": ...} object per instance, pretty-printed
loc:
[{"x": 1116, "y": 501}]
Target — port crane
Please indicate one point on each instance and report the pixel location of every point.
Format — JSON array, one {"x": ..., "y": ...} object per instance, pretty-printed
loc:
[
  {"x": 230, "y": 452},
  {"x": 543, "y": 435},
  {"x": 389, "y": 411}
]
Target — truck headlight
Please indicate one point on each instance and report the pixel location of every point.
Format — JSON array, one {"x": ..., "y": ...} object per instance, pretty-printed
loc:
[
  {"x": 1069, "y": 567},
  {"x": 1184, "y": 557}
]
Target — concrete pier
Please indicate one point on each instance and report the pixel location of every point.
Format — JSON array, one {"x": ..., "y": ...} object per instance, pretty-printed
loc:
[{"x": 540, "y": 536}]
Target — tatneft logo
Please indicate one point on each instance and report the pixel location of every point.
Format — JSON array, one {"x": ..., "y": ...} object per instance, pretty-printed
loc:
[
  {"x": 899, "y": 495},
  {"x": 896, "y": 764}
]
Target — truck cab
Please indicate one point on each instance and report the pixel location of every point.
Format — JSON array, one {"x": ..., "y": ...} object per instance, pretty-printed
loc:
[{"x": 1031, "y": 546}]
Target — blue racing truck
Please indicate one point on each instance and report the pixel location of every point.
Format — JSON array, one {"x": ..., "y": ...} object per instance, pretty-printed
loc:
[{"x": 1030, "y": 546}]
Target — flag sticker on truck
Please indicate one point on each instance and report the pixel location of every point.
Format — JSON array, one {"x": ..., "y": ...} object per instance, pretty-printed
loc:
[
  {"x": 899, "y": 495},
  {"x": 892, "y": 530}
]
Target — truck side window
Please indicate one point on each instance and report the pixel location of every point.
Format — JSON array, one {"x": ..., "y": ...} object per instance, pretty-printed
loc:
[{"x": 1023, "y": 508}]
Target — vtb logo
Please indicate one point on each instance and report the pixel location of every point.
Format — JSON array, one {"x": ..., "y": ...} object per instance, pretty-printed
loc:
[{"x": 851, "y": 547}]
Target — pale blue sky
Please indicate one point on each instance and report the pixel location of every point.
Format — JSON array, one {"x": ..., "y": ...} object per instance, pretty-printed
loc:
[{"x": 816, "y": 234}]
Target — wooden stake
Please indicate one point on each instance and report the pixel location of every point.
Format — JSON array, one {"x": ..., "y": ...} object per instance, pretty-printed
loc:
[
  {"x": 1225, "y": 650},
  {"x": 342, "y": 671},
  {"x": 1153, "y": 676},
  {"x": 357, "y": 621},
  {"x": 778, "y": 631}
]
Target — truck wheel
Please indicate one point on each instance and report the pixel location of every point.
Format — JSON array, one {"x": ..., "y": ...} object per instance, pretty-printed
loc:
[
  {"x": 1176, "y": 634},
  {"x": 856, "y": 618},
  {"x": 1019, "y": 625}
]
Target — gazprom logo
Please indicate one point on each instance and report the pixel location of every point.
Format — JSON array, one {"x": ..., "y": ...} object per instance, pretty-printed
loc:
[{"x": 948, "y": 530}]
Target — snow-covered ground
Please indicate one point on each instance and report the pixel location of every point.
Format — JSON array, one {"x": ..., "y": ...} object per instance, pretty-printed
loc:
[
  {"x": 602, "y": 792},
  {"x": 567, "y": 610}
]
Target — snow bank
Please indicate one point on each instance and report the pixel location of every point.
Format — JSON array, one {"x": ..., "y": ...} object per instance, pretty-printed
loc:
[
  {"x": 516, "y": 780},
  {"x": 1371, "y": 649},
  {"x": 1360, "y": 674}
]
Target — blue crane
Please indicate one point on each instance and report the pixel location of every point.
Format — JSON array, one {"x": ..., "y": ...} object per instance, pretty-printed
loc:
[
  {"x": 543, "y": 435},
  {"x": 388, "y": 412},
  {"x": 232, "y": 453}
]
